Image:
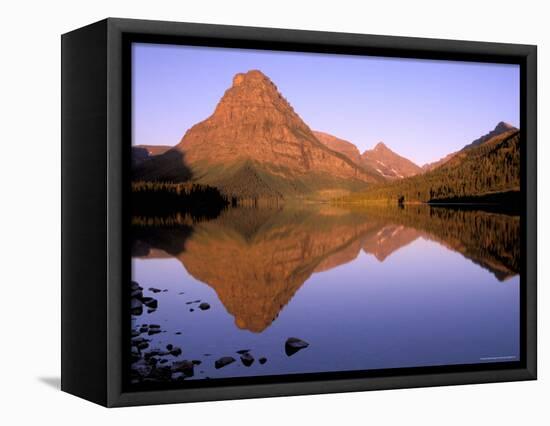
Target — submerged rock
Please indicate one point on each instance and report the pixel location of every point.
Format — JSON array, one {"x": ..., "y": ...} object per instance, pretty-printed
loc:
[
  {"x": 155, "y": 290},
  {"x": 243, "y": 351},
  {"x": 142, "y": 345},
  {"x": 293, "y": 345},
  {"x": 150, "y": 302},
  {"x": 223, "y": 361},
  {"x": 152, "y": 353},
  {"x": 135, "y": 356},
  {"x": 262, "y": 360},
  {"x": 204, "y": 306},
  {"x": 186, "y": 367},
  {"x": 137, "y": 340},
  {"x": 142, "y": 369},
  {"x": 136, "y": 307},
  {"x": 163, "y": 373},
  {"x": 175, "y": 351},
  {"x": 247, "y": 359}
]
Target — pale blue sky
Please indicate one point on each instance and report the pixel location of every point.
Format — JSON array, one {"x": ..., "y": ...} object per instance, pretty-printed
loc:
[{"x": 422, "y": 109}]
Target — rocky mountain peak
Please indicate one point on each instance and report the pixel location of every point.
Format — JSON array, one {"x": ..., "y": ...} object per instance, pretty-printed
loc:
[
  {"x": 250, "y": 77},
  {"x": 381, "y": 146},
  {"x": 503, "y": 127},
  {"x": 388, "y": 163},
  {"x": 252, "y": 95},
  {"x": 500, "y": 128}
]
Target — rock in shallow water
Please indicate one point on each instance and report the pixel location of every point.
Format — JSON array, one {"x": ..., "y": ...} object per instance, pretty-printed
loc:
[
  {"x": 293, "y": 345},
  {"x": 223, "y": 361},
  {"x": 247, "y": 359},
  {"x": 136, "y": 307},
  {"x": 262, "y": 360},
  {"x": 175, "y": 351},
  {"x": 150, "y": 302},
  {"x": 142, "y": 345},
  {"x": 186, "y": 367},
  {"x": 135, "y": 356},
  {"x": 204, "y": 306}
]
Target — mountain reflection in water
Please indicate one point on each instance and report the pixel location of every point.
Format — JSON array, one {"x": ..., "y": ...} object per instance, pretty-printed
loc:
[{"x": 256, "y": 260}]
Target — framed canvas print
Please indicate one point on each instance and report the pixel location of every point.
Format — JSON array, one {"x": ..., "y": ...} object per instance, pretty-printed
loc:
[{"x": 253, "y": 212}]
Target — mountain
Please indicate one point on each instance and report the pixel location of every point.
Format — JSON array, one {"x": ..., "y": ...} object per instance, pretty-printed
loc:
[
  {"x": 140, "y": 153},
  {"x": 501, "y": 128},
  {"x": 486, "y": 171},
  {"x": 434, "y": 165},
  {"x": 388, "y": 163},
  {"x": 255, "y": 146},
  {"x": 380, "y": 160},
  {"x": 339, "y": 145}
]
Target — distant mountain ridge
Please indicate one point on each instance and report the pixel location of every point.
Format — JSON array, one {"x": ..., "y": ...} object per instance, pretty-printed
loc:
[
  {"x": 388, "y": 163},
  {"x": 381, "y": 159},
  {"x": 141, "y": 153},
  {"x": 339, "y": 145},
  {"x": 500, "y": 128},
  {"x": 486, "y": 169}
]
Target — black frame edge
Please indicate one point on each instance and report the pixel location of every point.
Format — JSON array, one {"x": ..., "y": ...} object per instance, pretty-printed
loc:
[
  {"x": 531, "y": 206},
  {"x": 83, "y": 208},
  {"x": 398, "y": 46}
]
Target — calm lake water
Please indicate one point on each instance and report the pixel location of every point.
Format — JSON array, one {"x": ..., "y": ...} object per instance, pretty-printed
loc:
[{"x": 366, "y": 289}]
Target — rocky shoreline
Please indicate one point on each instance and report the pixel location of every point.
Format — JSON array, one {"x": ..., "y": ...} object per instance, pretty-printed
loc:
[{"x": 154, "y": 363}]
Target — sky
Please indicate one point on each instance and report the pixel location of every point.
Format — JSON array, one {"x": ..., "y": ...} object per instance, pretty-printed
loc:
[{"x": 421, "y": 109}]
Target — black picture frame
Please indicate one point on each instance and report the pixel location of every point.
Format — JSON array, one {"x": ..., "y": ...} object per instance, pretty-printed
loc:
[{"x": 95, "y": 177}]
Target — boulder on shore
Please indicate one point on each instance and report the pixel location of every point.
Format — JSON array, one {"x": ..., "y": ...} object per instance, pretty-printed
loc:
[
  {"x": 293, "y": 345},
  {"x": 186, "y": 367},
  {"x": 223, "y": 361},
  {"x": 247, "y": 359}
]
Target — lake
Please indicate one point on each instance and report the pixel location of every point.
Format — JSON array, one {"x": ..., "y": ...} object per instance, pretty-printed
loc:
[{"x": 362, "y": 289}]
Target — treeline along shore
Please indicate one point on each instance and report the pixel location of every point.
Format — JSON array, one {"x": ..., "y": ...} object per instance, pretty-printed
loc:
[{"x": 166, "y": 198}]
